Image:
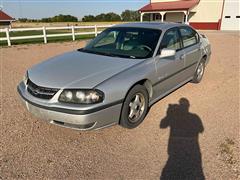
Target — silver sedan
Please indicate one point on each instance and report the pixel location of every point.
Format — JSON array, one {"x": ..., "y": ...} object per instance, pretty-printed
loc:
[{"x": 116, "y": 77}]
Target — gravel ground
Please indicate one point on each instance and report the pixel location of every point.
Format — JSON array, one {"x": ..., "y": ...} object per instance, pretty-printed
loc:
[{"x": 33, "y": 149}]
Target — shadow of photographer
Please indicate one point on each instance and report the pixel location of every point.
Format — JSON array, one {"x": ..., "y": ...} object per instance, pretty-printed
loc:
[{"x": 184, "y": 161}]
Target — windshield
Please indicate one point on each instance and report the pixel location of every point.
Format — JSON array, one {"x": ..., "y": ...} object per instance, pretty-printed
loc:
[{"x": 125, "y": 42}]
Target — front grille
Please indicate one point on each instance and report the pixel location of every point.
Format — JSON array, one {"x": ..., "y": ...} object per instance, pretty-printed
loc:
[{"x": 40, "y": 92}]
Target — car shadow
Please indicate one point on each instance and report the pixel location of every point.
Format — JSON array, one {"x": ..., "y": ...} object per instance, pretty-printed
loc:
[{"x": 184, "y": 155}]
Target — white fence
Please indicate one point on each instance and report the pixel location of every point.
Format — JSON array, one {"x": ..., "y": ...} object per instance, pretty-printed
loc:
[{"x": 44, "y": 34}]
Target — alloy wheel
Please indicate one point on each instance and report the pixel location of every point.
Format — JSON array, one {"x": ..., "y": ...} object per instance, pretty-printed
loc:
[
  {"x": 136, "y": 107},
  {"x": 200, "y": 71}
]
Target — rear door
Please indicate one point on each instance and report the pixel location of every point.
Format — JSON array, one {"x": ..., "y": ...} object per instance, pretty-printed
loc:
[
  {"x": 169, "y": 69},
  {"x": 192, "y": 51}
]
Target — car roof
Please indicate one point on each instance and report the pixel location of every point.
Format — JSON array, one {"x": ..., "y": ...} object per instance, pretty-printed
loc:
[{"x": 151, "y": 25}]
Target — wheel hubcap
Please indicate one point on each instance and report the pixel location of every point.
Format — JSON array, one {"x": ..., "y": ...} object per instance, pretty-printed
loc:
[
  {"x": 136, "y": 107},
  {"x": 200, "y": 71}
]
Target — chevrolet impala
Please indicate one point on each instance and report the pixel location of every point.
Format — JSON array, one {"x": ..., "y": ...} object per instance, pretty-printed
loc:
[{"x": 116, "y": 77}]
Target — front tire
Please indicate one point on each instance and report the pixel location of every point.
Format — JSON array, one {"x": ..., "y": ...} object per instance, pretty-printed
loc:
[
  {"x": 199, "y": 72},
  {"x": 135, "y": 107}
]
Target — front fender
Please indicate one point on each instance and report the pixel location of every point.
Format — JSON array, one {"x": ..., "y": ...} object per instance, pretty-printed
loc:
[{"x": 117, "y": 87}]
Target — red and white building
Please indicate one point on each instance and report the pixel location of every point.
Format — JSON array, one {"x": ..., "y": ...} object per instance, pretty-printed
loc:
[
  {"x": 201, "y": 14},
  {"x": 5, "y": 20}
]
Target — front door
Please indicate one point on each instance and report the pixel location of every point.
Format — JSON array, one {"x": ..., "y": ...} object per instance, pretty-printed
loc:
[{"x": 168, "y": 70}]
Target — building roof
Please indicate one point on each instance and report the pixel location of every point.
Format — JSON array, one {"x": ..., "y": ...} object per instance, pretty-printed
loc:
[
  {"x": 170, "y": 6},
  {"x": 5, "y": 17}
]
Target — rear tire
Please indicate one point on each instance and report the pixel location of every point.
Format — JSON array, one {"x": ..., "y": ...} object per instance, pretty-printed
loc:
[
  {"x": 135, "y": 107},
  {"x": 198, "y": 75}
]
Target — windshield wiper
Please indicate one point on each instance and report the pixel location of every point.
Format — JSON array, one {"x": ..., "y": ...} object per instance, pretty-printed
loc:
[
  {"x": 86, "y": 50},
  {"x": 95, "y": 52},
  {"x": 106, "y": 54}
]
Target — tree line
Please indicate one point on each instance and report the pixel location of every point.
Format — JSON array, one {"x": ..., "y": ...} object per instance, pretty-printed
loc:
[
  {"x": 58, "y": 18},
  {"x": 127, "y": 15}
]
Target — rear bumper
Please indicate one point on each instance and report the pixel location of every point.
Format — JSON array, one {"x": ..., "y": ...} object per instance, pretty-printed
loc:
[{"x": 70, "y": 119}]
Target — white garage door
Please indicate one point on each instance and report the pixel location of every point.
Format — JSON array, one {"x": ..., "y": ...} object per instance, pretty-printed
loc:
[{"x": 231, "y": 15}]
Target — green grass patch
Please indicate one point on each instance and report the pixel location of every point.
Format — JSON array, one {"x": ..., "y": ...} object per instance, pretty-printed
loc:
[{"x": 22, "y": 33}]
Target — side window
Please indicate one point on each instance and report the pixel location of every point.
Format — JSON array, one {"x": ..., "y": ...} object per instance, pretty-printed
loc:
[
  {"x": 189, "y": 36},
  {"x": 171, "y": 40}
]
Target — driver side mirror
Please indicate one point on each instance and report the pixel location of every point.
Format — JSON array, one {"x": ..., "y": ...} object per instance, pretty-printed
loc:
[{"x": 167, "y": 53}]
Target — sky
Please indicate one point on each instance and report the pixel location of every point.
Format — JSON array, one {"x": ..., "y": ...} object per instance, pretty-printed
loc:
[{"x": 37, "y": 9}]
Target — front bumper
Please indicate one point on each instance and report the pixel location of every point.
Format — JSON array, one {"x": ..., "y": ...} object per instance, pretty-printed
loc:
[{"x": 79, "y": 119}]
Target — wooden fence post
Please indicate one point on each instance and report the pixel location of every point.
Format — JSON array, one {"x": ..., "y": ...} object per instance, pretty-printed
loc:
[
  {"x": 44, "y": 34},
  {"x": 73, "y": 33},
  {"x": 8, "y": 37},
  {"x": 95, "y": 27}
]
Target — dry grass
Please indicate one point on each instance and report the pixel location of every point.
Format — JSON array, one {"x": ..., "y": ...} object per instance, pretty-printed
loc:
[
  {"x": 226, "y": 150},
  {"x": 36, "y": 24},
  {"x": 228, "y": 154}
]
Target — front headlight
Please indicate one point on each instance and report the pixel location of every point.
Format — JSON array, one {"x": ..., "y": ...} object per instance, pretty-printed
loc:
[{"x": 81, "y": 96}]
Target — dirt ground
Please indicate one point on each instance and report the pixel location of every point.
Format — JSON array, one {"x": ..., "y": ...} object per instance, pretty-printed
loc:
[{"x": 33, "y": 149}]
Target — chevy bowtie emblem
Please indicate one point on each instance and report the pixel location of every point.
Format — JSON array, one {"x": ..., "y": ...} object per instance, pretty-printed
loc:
[{"x": 35, "y": 91}]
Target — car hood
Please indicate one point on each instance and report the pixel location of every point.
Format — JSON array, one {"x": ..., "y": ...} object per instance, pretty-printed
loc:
[{"x": 78, "y": 70}]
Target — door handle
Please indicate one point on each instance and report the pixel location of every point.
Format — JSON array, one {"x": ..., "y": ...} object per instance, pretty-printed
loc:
[{"x": 182, "y": 57}]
